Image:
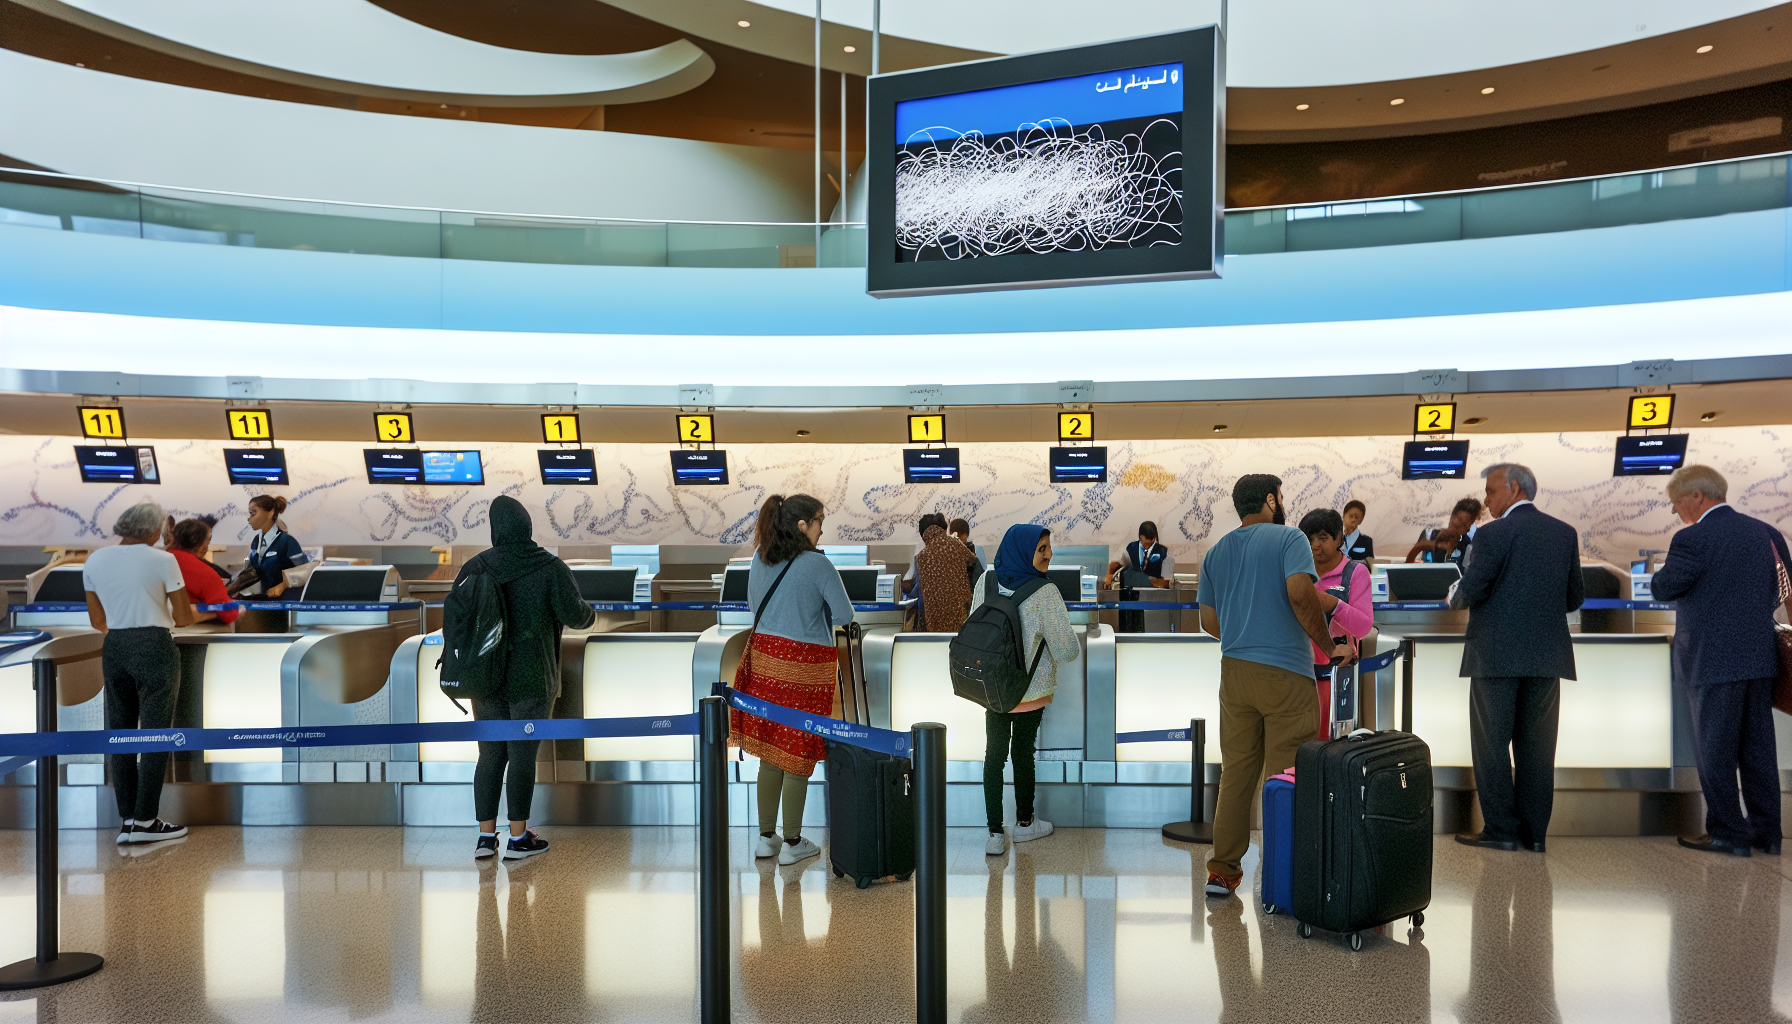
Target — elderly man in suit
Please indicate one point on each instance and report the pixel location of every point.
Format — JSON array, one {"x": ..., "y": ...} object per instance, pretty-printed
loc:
[
  {"x": 1722, "y": 576},
  {"x": 1520, "y": 586}
]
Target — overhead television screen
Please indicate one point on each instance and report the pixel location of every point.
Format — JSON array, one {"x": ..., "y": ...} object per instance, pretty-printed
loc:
[
  {"x": 255, "y": 465},
  {"x": 1435, "y": 460},
  {"x": 699, "y": 467},
  {"x": 410, "y": 466},
  {"x": 567, "y": 465},
  {"x": 1079, "y": 465},
  {"x": 117, "y": 464},
  {"x": 1649, "y": 455},
  {"x": 930, "y": 465},
  {"x": 1091, "y": 164}
]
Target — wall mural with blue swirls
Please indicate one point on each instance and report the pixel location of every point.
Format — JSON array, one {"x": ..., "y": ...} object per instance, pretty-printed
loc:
[{"x": 1184, "y": 486}]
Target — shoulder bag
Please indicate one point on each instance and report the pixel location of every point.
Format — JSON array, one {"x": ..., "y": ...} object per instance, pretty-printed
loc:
[{"x": 1782, "y": 636}]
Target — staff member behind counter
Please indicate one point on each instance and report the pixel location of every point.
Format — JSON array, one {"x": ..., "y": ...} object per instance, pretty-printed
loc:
[
  {"x": 1144, "y": 558},
  {"x": 1356, "y": 544},
  {"x": 1453, "y": 541},
  {"x": 272, "y": 551}
]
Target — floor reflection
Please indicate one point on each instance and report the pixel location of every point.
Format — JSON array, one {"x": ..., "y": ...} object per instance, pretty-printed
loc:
[{"x": 402, "y": 925}]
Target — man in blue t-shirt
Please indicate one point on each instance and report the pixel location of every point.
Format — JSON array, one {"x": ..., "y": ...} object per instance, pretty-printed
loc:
[{"x": 1257, "y": 596}]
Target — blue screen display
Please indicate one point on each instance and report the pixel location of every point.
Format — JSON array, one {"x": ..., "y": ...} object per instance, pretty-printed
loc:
[
  {"x": 689, "y": 467},
  {"x": 117, "y": 464},
  {"x": 1085, "y": 99},
  {"x": 930, "y": 465},
  {"x": 1435, "y": 460},
  {"x": 255, "y": 465},
  {"x": 568, "y": 465},
  {"x": 452, "y": 468},
  {"x": 1649, "y": 455},
  {"x": 1079, "y": 465},
  {"x": 410, "y": 466}
]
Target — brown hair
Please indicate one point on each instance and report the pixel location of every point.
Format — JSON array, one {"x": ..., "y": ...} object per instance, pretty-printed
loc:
[
  {"x": 959, "y": 526},
  {"x": 272, "y": 502},
  {"x": 776, "y": 535},
  {"x": 190, "y": 535}
]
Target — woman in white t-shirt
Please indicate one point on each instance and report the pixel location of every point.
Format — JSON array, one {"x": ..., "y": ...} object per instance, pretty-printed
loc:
[{"x": 136, "y": 596}]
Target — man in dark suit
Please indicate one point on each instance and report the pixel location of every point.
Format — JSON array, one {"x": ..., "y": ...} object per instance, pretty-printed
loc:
[
  {"x": 1520, "y": 586},
  {"x": 1720, "y": 573}
]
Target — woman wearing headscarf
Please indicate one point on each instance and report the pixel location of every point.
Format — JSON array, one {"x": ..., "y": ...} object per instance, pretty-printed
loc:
[
  {"x": 540, "y": 598},
  {"x": 1025, "y": 555}
]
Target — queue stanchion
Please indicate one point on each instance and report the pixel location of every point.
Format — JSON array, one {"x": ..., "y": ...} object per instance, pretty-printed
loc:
[
  {"x": 929, "y": 740},
  {"x": 1197, "y": 829},
  {"x": 51, "y": 966},
  {"x": 715, "y": 984}
]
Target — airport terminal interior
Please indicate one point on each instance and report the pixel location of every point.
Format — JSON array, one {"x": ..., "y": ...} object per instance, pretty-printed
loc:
[{"x": 323, "y": 296}]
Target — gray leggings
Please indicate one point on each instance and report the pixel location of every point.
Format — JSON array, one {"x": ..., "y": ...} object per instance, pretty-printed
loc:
[
  {"x": 141, "y": 668},
  {"x": 489, "y": 777}
]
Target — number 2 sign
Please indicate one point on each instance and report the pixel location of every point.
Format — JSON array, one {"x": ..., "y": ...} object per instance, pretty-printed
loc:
[
  {"x": 1076, "y": 426},
  {"x": 1434, "y": 418}
]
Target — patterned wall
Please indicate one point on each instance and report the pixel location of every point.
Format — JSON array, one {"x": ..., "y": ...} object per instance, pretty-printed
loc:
[{"x": 1183, "y": 485}]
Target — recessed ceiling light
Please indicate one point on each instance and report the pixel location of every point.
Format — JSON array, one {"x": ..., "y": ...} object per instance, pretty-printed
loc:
[
  {"x": 802, "y": 433},
  {"x": 1703, "y": 49},
  {"x": 1708, "y": 417},
  {"x": 851, "y": 49},
  {"x": 1217, "y": 427},
  {"x": 1473, "y": 421},
  {"x": 744, "y": 24},
  {"x": 1301, "y": 106},
  {"x": 1395, "y": 102},
  {"x": 1487, "y": 91}
]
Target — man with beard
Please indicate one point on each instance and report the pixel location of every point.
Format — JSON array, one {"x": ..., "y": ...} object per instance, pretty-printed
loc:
[{"x": 1257, "y": 597}]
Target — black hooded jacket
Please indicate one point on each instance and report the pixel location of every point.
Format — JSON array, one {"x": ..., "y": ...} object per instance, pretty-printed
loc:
[{"x": 540, "y": 598}]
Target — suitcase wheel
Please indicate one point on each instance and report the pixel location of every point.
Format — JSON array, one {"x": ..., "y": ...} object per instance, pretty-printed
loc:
[
  {"x": 1356, "y": 942},
  {"x": 1269, "y": 908},
  {"x": 1304, "y": 930},
  {"x": 1418, "y": 919},
  {"x": 863, "y": 883},
  {"x": 839, "y": 873},
  {"x": 904, "y": 876}
]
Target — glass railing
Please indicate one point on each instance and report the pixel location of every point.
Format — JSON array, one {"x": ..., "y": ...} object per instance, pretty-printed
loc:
[{"x": 65, "y": 203}]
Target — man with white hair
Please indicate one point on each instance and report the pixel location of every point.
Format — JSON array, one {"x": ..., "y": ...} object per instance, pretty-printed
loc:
[
  {"x": 1520, "y": 586},
  {"x": 1724, "y": 574}
]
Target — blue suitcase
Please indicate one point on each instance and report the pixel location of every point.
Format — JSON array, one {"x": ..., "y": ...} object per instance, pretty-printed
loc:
[{"x": 1278, "y": 844}]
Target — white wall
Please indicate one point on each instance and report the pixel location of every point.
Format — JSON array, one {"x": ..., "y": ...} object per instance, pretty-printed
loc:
[{"x": 87, "y": 122}]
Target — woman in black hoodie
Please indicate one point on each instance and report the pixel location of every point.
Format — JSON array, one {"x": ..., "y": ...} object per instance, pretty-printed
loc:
[{"x": 540, "y": 597}]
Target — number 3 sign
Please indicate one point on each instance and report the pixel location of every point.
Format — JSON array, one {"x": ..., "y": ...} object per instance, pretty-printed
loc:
[{"x": 1649, "y": 412}]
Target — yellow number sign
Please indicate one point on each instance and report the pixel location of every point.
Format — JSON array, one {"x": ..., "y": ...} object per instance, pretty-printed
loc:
[
  {"x": 102, "y": 422},
  {"x": 250, "y": 424},
  {"x": 1435, "y": 418},
  {"x": 1076, "y": 426},
  {"x": 560, "y": 427},
  {"x": 1651, "y": 411},
  {"x": 696, "y": 429},
  {"x": 392, "y": 427},
  {"x": 927, "y": 428}
]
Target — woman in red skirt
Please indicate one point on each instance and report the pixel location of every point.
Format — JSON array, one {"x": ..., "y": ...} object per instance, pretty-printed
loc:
[{"x": 797, "y": 599}]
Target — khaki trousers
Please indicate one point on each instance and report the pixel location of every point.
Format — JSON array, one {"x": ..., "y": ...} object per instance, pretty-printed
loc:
[{"x": 1266, "y": 713}]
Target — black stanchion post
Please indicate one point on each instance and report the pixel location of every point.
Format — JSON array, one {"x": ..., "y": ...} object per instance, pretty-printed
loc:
[
  {"x": 716, "y": 989},
  {"x": 51, "y": 966},
  {"x": 1197, "y": 829},
  {"x": 930, "y": 872},
  {"x": 1406, "y": 685}
]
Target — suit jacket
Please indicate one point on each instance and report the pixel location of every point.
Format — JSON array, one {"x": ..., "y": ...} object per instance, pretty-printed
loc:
[
  {"x": 1519, "y": 588},
  {"x": 1363, "y": 549},
  {"x": 1720, "y": 575}
]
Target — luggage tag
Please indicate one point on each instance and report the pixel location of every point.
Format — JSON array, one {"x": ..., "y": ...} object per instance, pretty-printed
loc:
[{"x": 1343, "y": 710}]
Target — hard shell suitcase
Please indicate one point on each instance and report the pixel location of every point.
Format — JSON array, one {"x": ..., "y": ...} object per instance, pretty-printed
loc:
[
  {"x": 849, "y": 658},
  {"x": 1278, "y": 844},
  {"x": 1362, "y": 807},
  {"x": 871, "y": 814}
]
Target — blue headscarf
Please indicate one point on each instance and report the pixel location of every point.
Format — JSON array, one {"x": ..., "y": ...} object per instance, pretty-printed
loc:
[{"x": 1014, "y": 559}]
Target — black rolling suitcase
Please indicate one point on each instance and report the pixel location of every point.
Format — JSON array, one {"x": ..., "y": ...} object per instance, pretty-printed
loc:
[
  {"x": 1362, "y": 814},
  {"x": 871, "y": 814}
]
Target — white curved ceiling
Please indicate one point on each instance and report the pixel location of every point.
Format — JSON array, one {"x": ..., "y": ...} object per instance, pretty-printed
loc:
[
  {"x": 1274, "y": 44},
  {"x": 354, "y": 46}
]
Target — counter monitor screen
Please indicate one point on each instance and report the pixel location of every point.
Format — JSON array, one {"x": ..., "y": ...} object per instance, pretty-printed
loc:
[
  {"x": 62, "y": 585},
  {"x": 700, "y": 467},
  {"x": 117, "y": 464},
  {"x": 734, "y": 584},
  {"x": 567, "y": 465},
  {"x": 605, "y": 582},
  {"x": 1649, "y": 455},
  {"x": 1079, "y": 465},
  {"x": 255, "y": 465},
  {"x": 356, "y": 585},
  {"x": 861, "y": 582},
  {"x": 1435, "y": 460},
  {"x": 1421, "y": 582},
  {"x": 1069, "y": 581},
  {"x": 930, "y": 465},
  {"x": 1093, "y": 163}
]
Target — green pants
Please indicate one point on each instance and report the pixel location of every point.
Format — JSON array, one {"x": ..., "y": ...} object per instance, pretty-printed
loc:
[
  {"x": 774, "y": 783},
  {"x": 1003, "y": 735}
]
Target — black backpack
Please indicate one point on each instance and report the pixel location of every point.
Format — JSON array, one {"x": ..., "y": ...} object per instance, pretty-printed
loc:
[
  {"x": 472, "y": 660},
  {"x": 985, "y": 659}
]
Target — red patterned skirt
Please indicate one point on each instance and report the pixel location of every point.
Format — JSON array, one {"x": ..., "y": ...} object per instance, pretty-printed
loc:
[{"x": 792, "y": 673}]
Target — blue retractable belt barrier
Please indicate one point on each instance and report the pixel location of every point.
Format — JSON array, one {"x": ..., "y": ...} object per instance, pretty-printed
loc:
[
  {"x": 1602, "y": 603},
  {"x": 136, "y": 741},
  {"x": 19, "y": 639},
  {"x": 1154, "y": 736},
  {"x": 711, "y": 606},
  {"x": 272, "y": 606},
  {"x": 896, "y": 744},
  {"x": 1130, "y": 606}
]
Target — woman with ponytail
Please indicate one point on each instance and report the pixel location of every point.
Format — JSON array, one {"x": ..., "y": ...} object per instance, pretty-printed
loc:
[
  {"x": 797, "y": 599},
  {"x": 272, "y": 550}
]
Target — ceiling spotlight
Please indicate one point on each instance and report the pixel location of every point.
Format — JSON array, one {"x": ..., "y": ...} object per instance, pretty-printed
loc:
[
  {"x": 1703, "y": 49},
  {"x": 744, "y": 24},
  {"x": 851, "y": 49},
  {"x": 802, "y": 433},
  {"x": 1474, "y": 421},
  {"x": 1217, "y": 427},
  {"x": 1395, "y": 102},
  {"x": 1301, "y": 106},
  {"x": 1708, "y": 417},
  {"x": 1487, "y": 91}
]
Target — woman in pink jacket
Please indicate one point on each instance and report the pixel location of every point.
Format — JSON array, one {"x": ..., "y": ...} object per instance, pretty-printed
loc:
[{"x": 1344, "y": 593}]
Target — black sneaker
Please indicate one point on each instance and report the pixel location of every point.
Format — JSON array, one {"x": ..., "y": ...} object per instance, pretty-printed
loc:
[
  {"x": 487, "y": 847},
  {"x": 526, "y": 845},
  {"x": 124, "y": 831},
  {"x": 156, "y": 831}
]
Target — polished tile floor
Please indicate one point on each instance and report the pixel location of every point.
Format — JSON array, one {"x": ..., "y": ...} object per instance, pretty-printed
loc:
[{"x": 381, "y": 924}]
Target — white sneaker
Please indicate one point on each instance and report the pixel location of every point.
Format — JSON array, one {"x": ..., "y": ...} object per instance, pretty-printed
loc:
[
  {"x": 767, "y": 846},
  {"x": 1039, "y": 829},
  {"x": 802, "y": 849},
  {"x": 124, "y": 830},
  {"x": 997, "y": 844}
]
